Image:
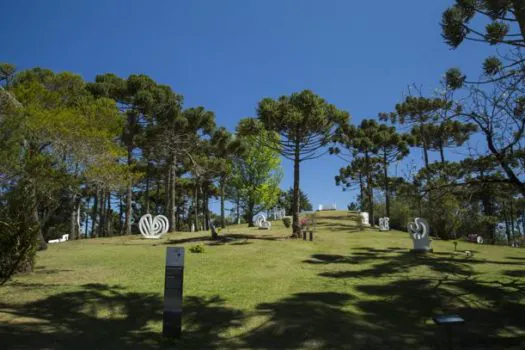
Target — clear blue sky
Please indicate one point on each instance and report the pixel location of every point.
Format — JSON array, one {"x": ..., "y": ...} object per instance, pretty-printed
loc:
[{"x": 227, "y": 55}]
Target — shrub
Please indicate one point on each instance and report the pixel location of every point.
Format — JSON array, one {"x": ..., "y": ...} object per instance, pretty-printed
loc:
[
  {"x": 18, "y": 236},
  {"x": 287, "y": 221},
  {"x": 199, "y": 248}
]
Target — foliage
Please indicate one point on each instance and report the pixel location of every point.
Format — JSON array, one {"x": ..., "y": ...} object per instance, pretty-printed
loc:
[
  {"x": 286, "y": 201},
  {"x": 18, "y": 234},
  {"x": 199, "y": 248},
  {"x": 287, "y": 221},
  {"x": 256, "y": 175},
  {"x": 305, "y": 123}
]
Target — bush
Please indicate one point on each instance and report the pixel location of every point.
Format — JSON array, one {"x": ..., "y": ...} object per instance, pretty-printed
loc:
[
  {"x": 18, "y": 236},
  {"x": 199, "y": 248},
  {"x": 287, "y": 221}
]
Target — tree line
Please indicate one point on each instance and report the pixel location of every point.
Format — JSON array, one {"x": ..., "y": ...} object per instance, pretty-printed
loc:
[{"x": 89, "y": 158}]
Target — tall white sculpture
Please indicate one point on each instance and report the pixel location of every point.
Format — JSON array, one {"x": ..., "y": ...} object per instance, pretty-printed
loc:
[
  {"x": 419, "y": 232},
  {"x": 261, "y": 223},
  {"x": 384, "y": 224},
  {"x": 153, "y": 227},
  {"x": 365, "y": 218}
]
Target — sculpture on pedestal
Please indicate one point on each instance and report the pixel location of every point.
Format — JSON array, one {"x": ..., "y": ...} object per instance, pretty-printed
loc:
[
  {"x": 419, "y": 232},
  {"x": 261, "y": 223},
  {"x": 364, "y": 218},
  {"x": 384, "y": 224},
  {"x": 153, "y": 227}
]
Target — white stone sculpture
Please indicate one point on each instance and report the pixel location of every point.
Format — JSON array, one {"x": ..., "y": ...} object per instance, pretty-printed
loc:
[
  {"x": 59, "y": 240},
  {"x": 384, "y": 224},
  {"x": 261, "y": 223},
  {"x": 153, "y": 227},
  {"x": 192, "y": 227},
  {"x": 364, "y": 218},
  {"x": 479, "y": 239},
  {"x": 419, "y": 232}
]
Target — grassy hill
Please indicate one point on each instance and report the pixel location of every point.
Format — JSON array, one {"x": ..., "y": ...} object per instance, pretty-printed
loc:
[{"x": 259, "y": 289}]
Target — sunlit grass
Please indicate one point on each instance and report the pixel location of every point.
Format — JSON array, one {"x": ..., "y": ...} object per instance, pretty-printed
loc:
[{"x": 257, "y": 288}]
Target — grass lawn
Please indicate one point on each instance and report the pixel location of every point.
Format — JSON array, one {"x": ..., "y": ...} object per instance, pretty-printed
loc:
[{"x": 347, "y": 289}]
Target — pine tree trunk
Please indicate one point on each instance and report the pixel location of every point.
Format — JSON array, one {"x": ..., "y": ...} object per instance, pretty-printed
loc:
[
  {"x": 238, "y": 208},
  {"x": 387, "y": 190},
  {"x": 127, "y": 224},
  {"x": 146, "y": 194},
  {"x": 87, "y": 217},
  {"x": 249, "y": 213},
  {"x": 362, "y": 191},
  {"x": 204, "y": 223},
  {"x": 221, "y": 185},
  {"x": 73, "y": 219},
  {"x": 167, "y": 182},
  {"x": 441, "y": 151},
  {"x": 94, "y": 213},
  {"x": 196, "y": 208},
  {"x": 108, "y": 214},
  {"x": 42, "y": 244},
  {"x": 296, "y": 227},
  {"x": 121, "y": 213},
  {"x": 171, "y": 216},
  {"x": 102, "y": 213},
  {"x": 370, "y": 190}
]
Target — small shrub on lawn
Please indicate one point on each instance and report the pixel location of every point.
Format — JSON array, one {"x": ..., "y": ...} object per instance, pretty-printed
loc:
[
  {"x": 287, "y": 221},
  {"x": 199, "y": 248}
]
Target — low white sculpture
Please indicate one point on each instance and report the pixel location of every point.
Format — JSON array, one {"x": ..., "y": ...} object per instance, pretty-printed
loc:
[
  {"x": 261, "y": 223},
  {"x": 59, "y": 240},
  {"x": 153, "y": 227},
  {"x": 419, "y": 232},
  {"x": 365, "y": 218},
  {"x": 384, "y": 224},
  {"x": 479, "y": 239}
]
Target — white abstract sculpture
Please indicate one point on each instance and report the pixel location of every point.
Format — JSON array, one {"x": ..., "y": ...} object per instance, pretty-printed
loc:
[
  {"x": 192, "y": 227},
  {"x": 419, "y": 232},
  {"x": 153, "y": 227},
  {"x": 384, "y": 224},
  {"x": 364, "y": 218},
  {"x": 261, "y": 223},
  {"x": 59, "y": 240}
]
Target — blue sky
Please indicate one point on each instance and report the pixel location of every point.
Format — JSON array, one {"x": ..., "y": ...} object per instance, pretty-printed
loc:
[{"x": 227, "y": 55}]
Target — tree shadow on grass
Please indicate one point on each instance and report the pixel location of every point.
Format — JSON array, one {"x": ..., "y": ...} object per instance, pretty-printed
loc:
[
  {"x": 107, "y": 317},
  {"x": 311, "y": 320},
  {"x": 229, "y": 238},
  {"x": 403, "y": 307}
]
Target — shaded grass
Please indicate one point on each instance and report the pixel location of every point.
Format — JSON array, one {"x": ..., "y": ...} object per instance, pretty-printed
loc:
[{"x": 259, "y": 289}]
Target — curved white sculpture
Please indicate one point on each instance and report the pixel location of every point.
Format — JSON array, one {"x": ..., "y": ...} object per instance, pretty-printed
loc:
[
  {"x": 384, "y": 224},
  {"x": 261, "y": 223},
  {"x": 419, "y": 232},
  {"x": 153, "y": 227},
  {"x": 365, "y": 219}
]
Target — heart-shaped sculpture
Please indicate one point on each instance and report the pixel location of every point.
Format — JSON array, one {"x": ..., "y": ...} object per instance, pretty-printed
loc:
[{"x": 153, "y": 227}]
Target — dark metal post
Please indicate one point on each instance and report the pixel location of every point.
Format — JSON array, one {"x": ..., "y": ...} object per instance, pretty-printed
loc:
[
  {"x": 311, "y": 235},
  {"x": 172, "y": 320}
]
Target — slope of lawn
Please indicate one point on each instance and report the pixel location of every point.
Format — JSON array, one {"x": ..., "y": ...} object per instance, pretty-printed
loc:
[{"x": 258, "y": 289}]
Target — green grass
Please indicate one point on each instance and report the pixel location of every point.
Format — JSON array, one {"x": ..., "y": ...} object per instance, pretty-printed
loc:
[{"x": 346, "y": 289}]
